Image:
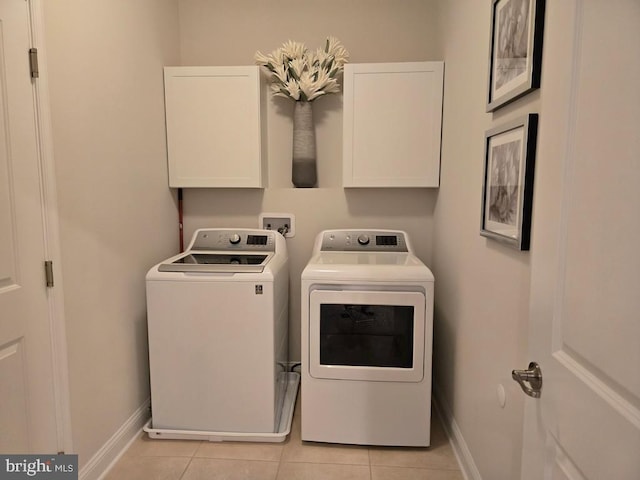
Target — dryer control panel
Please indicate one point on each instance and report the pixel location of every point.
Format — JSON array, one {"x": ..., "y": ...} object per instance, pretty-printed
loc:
[{"x": 364, "y": 241}]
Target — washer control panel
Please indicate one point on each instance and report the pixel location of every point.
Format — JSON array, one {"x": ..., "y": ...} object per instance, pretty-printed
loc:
[
  {"x": 363, "y": 241},
  {"x": 220, "y": 239}
]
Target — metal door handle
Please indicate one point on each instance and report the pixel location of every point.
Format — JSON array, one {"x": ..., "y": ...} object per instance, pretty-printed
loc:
[{"x": 532, "y": 376}]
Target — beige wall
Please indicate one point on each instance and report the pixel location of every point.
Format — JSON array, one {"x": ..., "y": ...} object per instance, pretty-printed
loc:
[
  {"x": 117, "y": 216},
  {"x": 229, "y": 33},
  {"x": 482, "y": 287}
]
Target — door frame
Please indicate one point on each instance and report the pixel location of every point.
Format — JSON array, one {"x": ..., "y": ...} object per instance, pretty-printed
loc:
[{"x": 55, "y": 295}]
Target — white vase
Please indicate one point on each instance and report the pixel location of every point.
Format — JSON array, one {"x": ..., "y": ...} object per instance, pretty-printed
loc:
[{"x": 303, "y": 166}]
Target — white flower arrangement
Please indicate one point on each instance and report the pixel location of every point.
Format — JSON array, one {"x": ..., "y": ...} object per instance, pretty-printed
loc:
[{"x": 303, "y": 75}]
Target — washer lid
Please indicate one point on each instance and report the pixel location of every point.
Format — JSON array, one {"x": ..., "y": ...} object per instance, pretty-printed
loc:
[{"x": 217, "y": 262}]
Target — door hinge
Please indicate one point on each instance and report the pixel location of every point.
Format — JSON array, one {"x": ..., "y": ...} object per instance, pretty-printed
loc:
[
  {"x": 33, "y": 62},
  {"x": 48, "y": 271}
]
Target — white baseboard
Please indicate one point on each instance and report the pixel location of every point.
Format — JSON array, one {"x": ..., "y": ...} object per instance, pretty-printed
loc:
[
  {"x": 97, "y": 467},
  {"x": 460, "y": 448}
]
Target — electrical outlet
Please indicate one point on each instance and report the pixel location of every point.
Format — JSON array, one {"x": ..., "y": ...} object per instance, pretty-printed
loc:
[{"x": 282, "y": 222}]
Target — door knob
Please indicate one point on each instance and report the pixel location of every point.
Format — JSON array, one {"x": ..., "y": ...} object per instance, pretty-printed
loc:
[{"x": 530, "y": 380}]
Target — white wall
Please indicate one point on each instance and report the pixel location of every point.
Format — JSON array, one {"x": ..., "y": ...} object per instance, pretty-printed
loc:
[
  {"x": 219, "y": 32},
  {"x": 482, "y": 287},
  {"x": 117, "y": 216}
]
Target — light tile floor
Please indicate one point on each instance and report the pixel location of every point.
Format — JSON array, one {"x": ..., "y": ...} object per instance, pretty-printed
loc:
[{"x": 148, "y": 459}]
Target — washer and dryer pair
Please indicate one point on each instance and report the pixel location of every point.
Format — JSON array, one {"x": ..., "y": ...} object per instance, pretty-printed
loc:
[{"x": 218, "y": 323}]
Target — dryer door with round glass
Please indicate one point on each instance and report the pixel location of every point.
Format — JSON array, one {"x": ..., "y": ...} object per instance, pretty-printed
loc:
[{"x": 367, "y": 335}]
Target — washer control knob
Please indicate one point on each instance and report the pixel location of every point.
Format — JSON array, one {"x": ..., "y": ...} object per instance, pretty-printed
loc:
[
  {"x": 234, "y": 239},
  {"x": 363, "y": 239}
]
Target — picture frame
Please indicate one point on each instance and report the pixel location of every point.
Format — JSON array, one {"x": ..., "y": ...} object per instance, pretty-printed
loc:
[
  {"x": 515, "y": 53},
  {"x": 507, "y": 187}
]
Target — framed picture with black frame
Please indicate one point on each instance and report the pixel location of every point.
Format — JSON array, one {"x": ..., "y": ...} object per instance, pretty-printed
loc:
[
  {"x": 515, "y": 54},
  {"x": 507, "y": 189}
]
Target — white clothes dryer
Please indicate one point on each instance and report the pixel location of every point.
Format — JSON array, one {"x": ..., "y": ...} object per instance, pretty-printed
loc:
[
  {"x": 367, "y": 330},
  {"x": 218, "y": 341}
]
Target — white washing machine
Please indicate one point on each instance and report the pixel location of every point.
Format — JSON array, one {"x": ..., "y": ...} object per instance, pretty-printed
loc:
[
  {"x": 218, "y": 351},
  {"x": 367, "y": 323}
]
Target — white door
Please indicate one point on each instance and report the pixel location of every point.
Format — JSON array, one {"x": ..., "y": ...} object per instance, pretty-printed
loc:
[
  {"x": 585, "y": 299},
  {"x": 28, "y": 413}
]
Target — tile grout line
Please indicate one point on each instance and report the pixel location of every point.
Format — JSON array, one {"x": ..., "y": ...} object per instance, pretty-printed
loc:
[
  {"x": 192, "y": 456},
  {"x": 280, "y": 458},
  {"x": 185, "y": 468}
]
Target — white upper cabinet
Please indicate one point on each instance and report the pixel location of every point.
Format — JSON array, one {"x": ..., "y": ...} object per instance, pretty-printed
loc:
[
  {"x": 214, "y": 131},
  {"x": 392, "y": 124}
]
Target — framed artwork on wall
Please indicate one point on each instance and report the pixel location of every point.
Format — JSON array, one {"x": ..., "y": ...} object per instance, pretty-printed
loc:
[
  {"x": 515, "y": 53},
  {"x": 507, "y": 189}
]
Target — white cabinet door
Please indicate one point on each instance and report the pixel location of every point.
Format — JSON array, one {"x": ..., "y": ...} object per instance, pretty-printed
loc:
[
  {"x": 392, "y": 124},
  {"x": 213, "y": 126}
]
